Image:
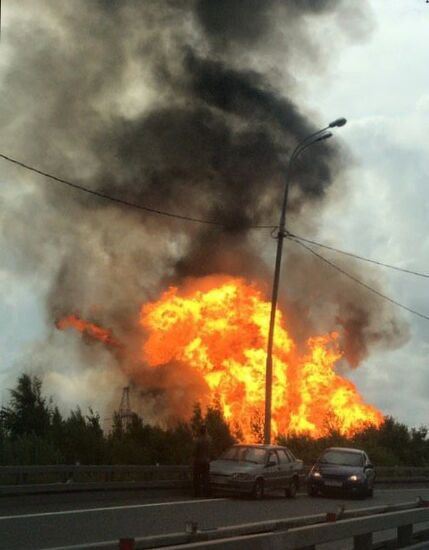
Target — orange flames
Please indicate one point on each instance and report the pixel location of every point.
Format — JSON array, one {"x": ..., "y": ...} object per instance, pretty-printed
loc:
[
  {"x": 218, "y": 326},
  {"x": 90, "y": 329}
]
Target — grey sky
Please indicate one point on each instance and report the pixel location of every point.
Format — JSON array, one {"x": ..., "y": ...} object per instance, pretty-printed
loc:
[
  {"x": 380, "y": 82},
  {"x": 382, "y": 86}
]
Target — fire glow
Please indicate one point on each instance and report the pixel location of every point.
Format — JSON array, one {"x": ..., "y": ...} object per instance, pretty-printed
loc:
[
  {"x": 90, "y": 329},
  {"x": 218, "y": 327}
]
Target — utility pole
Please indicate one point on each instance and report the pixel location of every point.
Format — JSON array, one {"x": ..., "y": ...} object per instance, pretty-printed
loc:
[{"x": 303, "y": 144}]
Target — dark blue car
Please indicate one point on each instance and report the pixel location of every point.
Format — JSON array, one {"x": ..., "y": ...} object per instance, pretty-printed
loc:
[{"x": 342, "y": 469}]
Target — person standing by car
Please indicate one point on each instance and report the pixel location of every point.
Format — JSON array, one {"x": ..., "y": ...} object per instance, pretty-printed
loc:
[{"x": 201, "y": 463}]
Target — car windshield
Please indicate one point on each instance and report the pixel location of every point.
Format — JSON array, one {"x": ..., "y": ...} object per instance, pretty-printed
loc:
[
  {"x": 343, "y": 458},
  {"x": 245, "y": 454}
]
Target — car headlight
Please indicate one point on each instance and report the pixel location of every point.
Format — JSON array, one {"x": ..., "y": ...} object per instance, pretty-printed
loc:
[
  {"x": 242, "y": 477},
  {"x": 316, "y": 474},
  {"x": 355, "y": 477}
]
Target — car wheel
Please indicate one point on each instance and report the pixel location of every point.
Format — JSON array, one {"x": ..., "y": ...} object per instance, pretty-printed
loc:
[
  {"x": 258, "y": 489},
  {"x": 292, "y": 489}
]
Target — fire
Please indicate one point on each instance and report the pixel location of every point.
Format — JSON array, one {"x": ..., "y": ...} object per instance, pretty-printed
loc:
[
  {"x": 90, "y": 329},
  {"x": 219, "y": 326}
]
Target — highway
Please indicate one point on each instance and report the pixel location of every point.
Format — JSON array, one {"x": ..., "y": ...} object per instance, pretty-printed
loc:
[{"x": 48, "y": 521}]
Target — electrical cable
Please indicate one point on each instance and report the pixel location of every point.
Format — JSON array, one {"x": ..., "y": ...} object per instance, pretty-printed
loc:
[
  {"x": 362, "y": 258},
  {"x": 358, "y": 281},
  {"x": 182, "y": 217},
  {"x": 122, "y": 201}
]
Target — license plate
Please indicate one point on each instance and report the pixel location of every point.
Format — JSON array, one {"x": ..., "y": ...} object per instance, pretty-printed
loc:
[{"x": 330, "y": 483}]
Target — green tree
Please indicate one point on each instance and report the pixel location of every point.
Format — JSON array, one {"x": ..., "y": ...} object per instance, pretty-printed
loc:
[
  {"x": 83, "y": 439},
  {"x": 29, "y": 449},
  {"x": 197, "y": 419},
  {"x": 181, "y": 443},
  {"x": 218, "y": 430},
  {"x": 56, "y": 432},
  {"x": 419, "y": 447},
  {"x": 28, "y": 411},
  {"x": 138, "y": 443}
]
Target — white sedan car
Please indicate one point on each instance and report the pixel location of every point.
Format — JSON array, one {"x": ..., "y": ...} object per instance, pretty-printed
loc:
[{"x": 256, "y": 469}]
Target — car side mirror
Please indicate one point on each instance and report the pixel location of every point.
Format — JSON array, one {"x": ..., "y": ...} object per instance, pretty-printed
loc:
[
  {"x": 369, "y": 467},
  {"x": 270, "y": 463}
]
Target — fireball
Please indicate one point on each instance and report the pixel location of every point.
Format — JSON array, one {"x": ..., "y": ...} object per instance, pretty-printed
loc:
[{"x": 218, "y": 326}]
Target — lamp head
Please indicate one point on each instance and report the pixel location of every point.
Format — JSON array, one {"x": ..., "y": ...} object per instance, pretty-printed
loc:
[{"x": 338, "y": 123}]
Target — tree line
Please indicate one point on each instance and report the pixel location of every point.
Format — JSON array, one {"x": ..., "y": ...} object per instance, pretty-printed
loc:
[{"x": 33, "y": 431}]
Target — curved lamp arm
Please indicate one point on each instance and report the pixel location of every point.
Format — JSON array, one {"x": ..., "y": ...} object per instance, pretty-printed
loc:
[{"x": 302, "y": 145}]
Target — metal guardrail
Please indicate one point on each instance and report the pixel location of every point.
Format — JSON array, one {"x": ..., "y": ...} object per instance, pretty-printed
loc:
[
  {"x": 72, "y": 478},
  {"x": 23, "y": 474},
  {"x": 80, "y": 473},
  {"x": 304, "y": 532},
  {"x": 361, "y": 530},
  {"x": 63, "y": 477}
]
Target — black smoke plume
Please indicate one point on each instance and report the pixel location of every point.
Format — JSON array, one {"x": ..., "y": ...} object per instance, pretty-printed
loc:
[{"x": 175, "y": 104}]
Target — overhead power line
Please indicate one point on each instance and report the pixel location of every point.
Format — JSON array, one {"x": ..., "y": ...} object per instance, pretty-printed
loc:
[
  {"x": 362, "y": 258},
  {"x": 108, "y": 197},
  {"x": 192, "y": 219},
  {"x": 121, "y": 201},
  {"x": 358, "y": 281}
]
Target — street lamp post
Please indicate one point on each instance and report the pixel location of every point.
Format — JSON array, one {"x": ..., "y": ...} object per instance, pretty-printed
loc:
[{"x": 302, "y": 145}]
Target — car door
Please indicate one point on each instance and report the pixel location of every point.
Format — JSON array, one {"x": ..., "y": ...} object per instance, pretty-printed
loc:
[
  {"x": 296, "y": 465},
  {"x": 369, "y": 471},
  {"x": 286, "y": 467},
  {"x": 272, "y": 473}
]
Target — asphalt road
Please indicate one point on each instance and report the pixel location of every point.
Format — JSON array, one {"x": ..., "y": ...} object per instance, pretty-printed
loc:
[{"x": 47, "y": 521}]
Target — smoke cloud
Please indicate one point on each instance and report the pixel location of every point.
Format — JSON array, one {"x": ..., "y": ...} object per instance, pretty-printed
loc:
[{"x": 173, "y": 104}]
